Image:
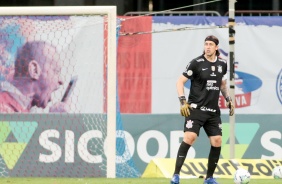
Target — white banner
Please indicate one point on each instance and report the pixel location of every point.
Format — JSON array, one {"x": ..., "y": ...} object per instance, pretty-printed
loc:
[{"x": 257, "y": 62}]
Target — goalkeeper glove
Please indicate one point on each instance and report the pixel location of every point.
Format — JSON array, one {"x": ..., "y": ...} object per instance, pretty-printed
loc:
[
  {"x": 184, "y": 106},
  {"x": 230, "y": 105}
]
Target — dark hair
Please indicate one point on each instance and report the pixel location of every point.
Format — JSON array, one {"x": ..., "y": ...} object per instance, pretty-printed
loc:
[{"x": 212, "y": 38}]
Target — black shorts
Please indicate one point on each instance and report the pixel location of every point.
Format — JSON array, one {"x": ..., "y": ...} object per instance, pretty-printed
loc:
[{"x": 211, "y": 122}]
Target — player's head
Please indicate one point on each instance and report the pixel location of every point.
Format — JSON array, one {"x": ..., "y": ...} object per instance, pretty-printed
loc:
[
  {"x": 37, "y": 64},
  {"x": 211, "y": 45}
]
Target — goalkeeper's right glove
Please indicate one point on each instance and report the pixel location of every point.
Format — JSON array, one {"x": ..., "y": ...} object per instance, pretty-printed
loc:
[
  {"x": 230, "y": 105},
  {"x": 184, "y": 106}
]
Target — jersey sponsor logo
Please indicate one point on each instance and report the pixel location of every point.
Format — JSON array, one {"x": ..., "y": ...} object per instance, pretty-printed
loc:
[
  {"x": 203, "y": 108},
  {"x": 209, "y": 85},
  {"x": 212, "y": 88},
  {"x": 210, "y": 82},
  {"x": 279, "y": 86},
  {"x": 189, "y": 124}
]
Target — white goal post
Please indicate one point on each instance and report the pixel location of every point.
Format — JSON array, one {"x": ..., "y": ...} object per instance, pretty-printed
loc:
[{"x": 110, "y": 12}]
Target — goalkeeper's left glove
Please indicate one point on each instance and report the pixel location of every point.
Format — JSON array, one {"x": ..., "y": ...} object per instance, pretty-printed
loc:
[{"x": 230, "y": 105}]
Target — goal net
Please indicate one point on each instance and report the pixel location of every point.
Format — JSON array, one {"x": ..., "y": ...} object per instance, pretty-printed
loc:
[{"x": 58, "y": 94}]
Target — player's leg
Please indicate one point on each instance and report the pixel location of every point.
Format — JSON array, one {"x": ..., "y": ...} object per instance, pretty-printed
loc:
[
  {"x": 188, "y": 140},
  {"x": 191, "y": 131},
  {"x": 214, "y": 132}
]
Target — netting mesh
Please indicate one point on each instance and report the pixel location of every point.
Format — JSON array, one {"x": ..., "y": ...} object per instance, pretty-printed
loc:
[
  {"x": 3, "y": 170},
  {"x": 53, "y": 117}
]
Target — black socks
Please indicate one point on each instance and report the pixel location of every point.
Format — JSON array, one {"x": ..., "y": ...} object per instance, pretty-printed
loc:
[
  {"x": 181, "y": 156},
  {"x": 213, "y": 159}
]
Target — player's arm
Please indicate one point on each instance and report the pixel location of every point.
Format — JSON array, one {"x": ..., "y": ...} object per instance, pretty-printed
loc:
[
  {"x": 225, "y": 93},
  {"x": 180, "y": 85},
  {"x": 223, "y": 88},
  {"x": 184, "y": 106}
]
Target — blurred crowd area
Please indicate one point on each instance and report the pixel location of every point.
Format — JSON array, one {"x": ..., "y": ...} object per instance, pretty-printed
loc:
[{"x": 125, "y": 6}]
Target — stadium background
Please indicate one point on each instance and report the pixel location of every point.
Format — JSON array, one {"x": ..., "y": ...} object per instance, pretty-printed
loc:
[
  {"x": 266, "y": 122},
  {"x": 124, "y": 6}
]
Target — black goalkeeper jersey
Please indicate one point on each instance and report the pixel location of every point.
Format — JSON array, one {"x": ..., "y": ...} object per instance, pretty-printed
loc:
[{"x": 206, "y": 78}]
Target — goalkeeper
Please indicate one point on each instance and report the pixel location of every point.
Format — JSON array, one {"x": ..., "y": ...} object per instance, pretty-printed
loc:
[{"x": 208, "y": 77}]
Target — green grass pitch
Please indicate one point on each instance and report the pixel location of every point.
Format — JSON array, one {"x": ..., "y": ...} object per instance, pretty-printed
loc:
[{"x": 121, "y": 181}]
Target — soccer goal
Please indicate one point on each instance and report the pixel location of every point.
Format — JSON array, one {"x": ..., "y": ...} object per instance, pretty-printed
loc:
[{"x": 58, "y": 85}]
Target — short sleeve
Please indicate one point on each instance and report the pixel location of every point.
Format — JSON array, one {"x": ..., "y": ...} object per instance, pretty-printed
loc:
[{"x": 190, "y": 70}]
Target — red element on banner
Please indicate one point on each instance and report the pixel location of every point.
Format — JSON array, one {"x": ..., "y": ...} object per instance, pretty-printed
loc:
[
  {"x": 105, "y": 64},
  {"x": 241, "y": 100},
  {"x": 135, "y": 66}
]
